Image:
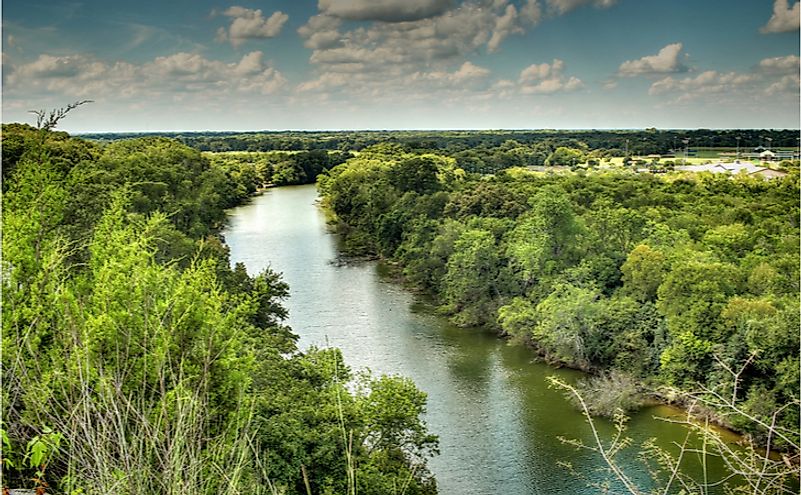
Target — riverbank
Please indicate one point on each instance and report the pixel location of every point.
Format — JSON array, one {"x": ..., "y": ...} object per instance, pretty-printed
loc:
[
  {"x": 650, "y": 396},
  {"x": 498, "y": 421},
  {"x": 596, "y": 287}
]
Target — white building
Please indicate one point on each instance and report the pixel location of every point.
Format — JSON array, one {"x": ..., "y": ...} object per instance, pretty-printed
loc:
[{"x": 733, "y": 168}]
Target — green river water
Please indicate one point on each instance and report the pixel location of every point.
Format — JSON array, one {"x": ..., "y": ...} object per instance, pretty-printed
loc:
[{"x": 489, "y": 401}]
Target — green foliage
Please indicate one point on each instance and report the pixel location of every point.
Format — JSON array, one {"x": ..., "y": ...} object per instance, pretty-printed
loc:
[
  {"x": 643, "y": 272},
  {"x": 568, "y": 324},
  {"x": 471, "y": 278},
  {"x": 664, "y": 279},
  {"x": 565, "y": 156},
  {"x": 544, "y": 240},
  {"x": 160, "y": 369}
]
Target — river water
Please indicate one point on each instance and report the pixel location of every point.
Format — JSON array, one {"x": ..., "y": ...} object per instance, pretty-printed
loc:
[{"x": 498, "y": 422}]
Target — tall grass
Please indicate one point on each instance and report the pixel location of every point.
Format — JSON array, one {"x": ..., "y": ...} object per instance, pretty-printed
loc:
[{"x": 117, "y": 442}]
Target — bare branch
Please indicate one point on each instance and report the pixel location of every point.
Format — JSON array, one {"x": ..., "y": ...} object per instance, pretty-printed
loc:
[{"x": 47, "y": 121}]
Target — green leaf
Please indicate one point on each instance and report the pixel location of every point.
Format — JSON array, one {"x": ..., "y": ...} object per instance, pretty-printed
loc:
[
  {"x": 6, "y": 440},
  {"x": 37, "y": 451}
]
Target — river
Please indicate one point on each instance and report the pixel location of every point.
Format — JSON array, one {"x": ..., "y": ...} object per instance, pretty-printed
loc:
[{"x": 489, "y": 401}]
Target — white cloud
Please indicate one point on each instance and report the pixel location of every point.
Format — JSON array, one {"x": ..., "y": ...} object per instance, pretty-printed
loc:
[
  {"x": 610, "y": 85},
  {"x": 467, "y": 72},
  {"x": 531, "y": 12},
  {"x": 787, "y": 84},
  {"x": 398, "y": 83},
  {"x": 82, "y": 76},
  {"x": 784, "y": 18},
  {"x": 384, "y": 10},
  {"x": 541, "y": 71},
  {"x": 788, "y": 64},
  {"x": 374, "y": 40},
  {"x": 706, "y": 83},
  {"x": 48, "y": 66},
  {"x": 504, "y": 26},
  {"x": 664, "y": 62},
  {"x": 470, "y": 27},
  {"x": 560, "y": 7},
  {"x": 250, "y": 24},
  {"x": 321, "y": 32},
  {"x": 773, "y": 78},
  {"x": 324, "y": 82},
  {"x": 547, "y": 78}
]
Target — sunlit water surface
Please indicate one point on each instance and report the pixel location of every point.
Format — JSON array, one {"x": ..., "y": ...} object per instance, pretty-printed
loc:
[{"x": 498, "y": 422}]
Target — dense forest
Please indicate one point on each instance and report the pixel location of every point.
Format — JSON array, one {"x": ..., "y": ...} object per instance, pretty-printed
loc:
[
  {"x": 641, "y": 141},
  {"x": 672, "y": 282},
  {"x": 490, "y": 151},
  {"x": 135, "y": 360}
]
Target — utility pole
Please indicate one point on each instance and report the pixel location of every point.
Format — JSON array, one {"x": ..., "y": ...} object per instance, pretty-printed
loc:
[{"x": 738, "y": 148}]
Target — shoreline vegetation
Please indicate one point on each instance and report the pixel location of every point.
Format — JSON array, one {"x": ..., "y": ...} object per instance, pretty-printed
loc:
[
  {"x": 136, "y": 360},
  {"x": 605, "y": 271},
  {"x": 644, "y": 397},
  {"x": 569, "y": 264}
]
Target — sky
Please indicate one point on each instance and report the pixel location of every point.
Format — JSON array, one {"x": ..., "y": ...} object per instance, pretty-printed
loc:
[{"x": 180, "y": 65}]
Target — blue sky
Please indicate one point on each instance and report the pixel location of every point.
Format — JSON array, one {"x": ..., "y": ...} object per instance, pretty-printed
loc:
[{"x": 403, "y": 64}]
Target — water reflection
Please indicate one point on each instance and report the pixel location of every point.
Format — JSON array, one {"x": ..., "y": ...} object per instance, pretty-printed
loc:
[{"x": 497, "y": 420}]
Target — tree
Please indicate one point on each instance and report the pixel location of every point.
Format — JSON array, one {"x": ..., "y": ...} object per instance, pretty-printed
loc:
[
  {"x": 545, "y": 239},
  {"x": 565, "y": 156},
  {"x": 568, "y": 321},
  {"x": 470, "y": 281},
  {"x": 643, "y": 272},
  {"x": 418, "y": 174}
]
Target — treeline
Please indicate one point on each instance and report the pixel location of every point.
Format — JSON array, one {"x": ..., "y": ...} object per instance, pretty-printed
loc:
[
  {"x": 253, "y": 170},
  {"x": 135, "y": 360},
  {"x": 638, "y": 142},
  {"x": 680, "y": 281}
]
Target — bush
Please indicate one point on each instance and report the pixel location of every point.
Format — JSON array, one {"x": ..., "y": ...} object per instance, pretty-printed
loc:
[{"x": 609, "y": 393}]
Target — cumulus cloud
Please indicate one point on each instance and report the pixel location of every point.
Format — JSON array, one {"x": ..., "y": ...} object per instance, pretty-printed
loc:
[
  {"x": 786, "y": 84},
  {"x": 321, "y": 32},
  {"x": 248, "y": 24},
  {"x": 560, "y": 7},
  {"x": 81, "y": 76},
  {"x": 50, "y": 67},
  {"x": 706, "y": 83},
  {"x": 433, "y": 40},
  {"x": 397, "y": 82},
  {"x": 467, "y": 72},
  {"x": 664, "y": 62},
  {"x": 541, "y": 71},
  {"x": 504, "y": 26},
  {"x": 547, "y": 78},
  {"x": 784, "y": 19},
  {"x": 385, "y": 10},
  {"x": 788, "y": 64},
  {"x": 772, "y": 77},
  {"x": 531, "y": 12}
]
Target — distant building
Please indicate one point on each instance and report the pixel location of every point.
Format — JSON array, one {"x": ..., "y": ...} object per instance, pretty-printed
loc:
[
  {"x": 767, "y": 155},
  {"x": 785, "y": 155},
  {"x": 733, "y": 168}
]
